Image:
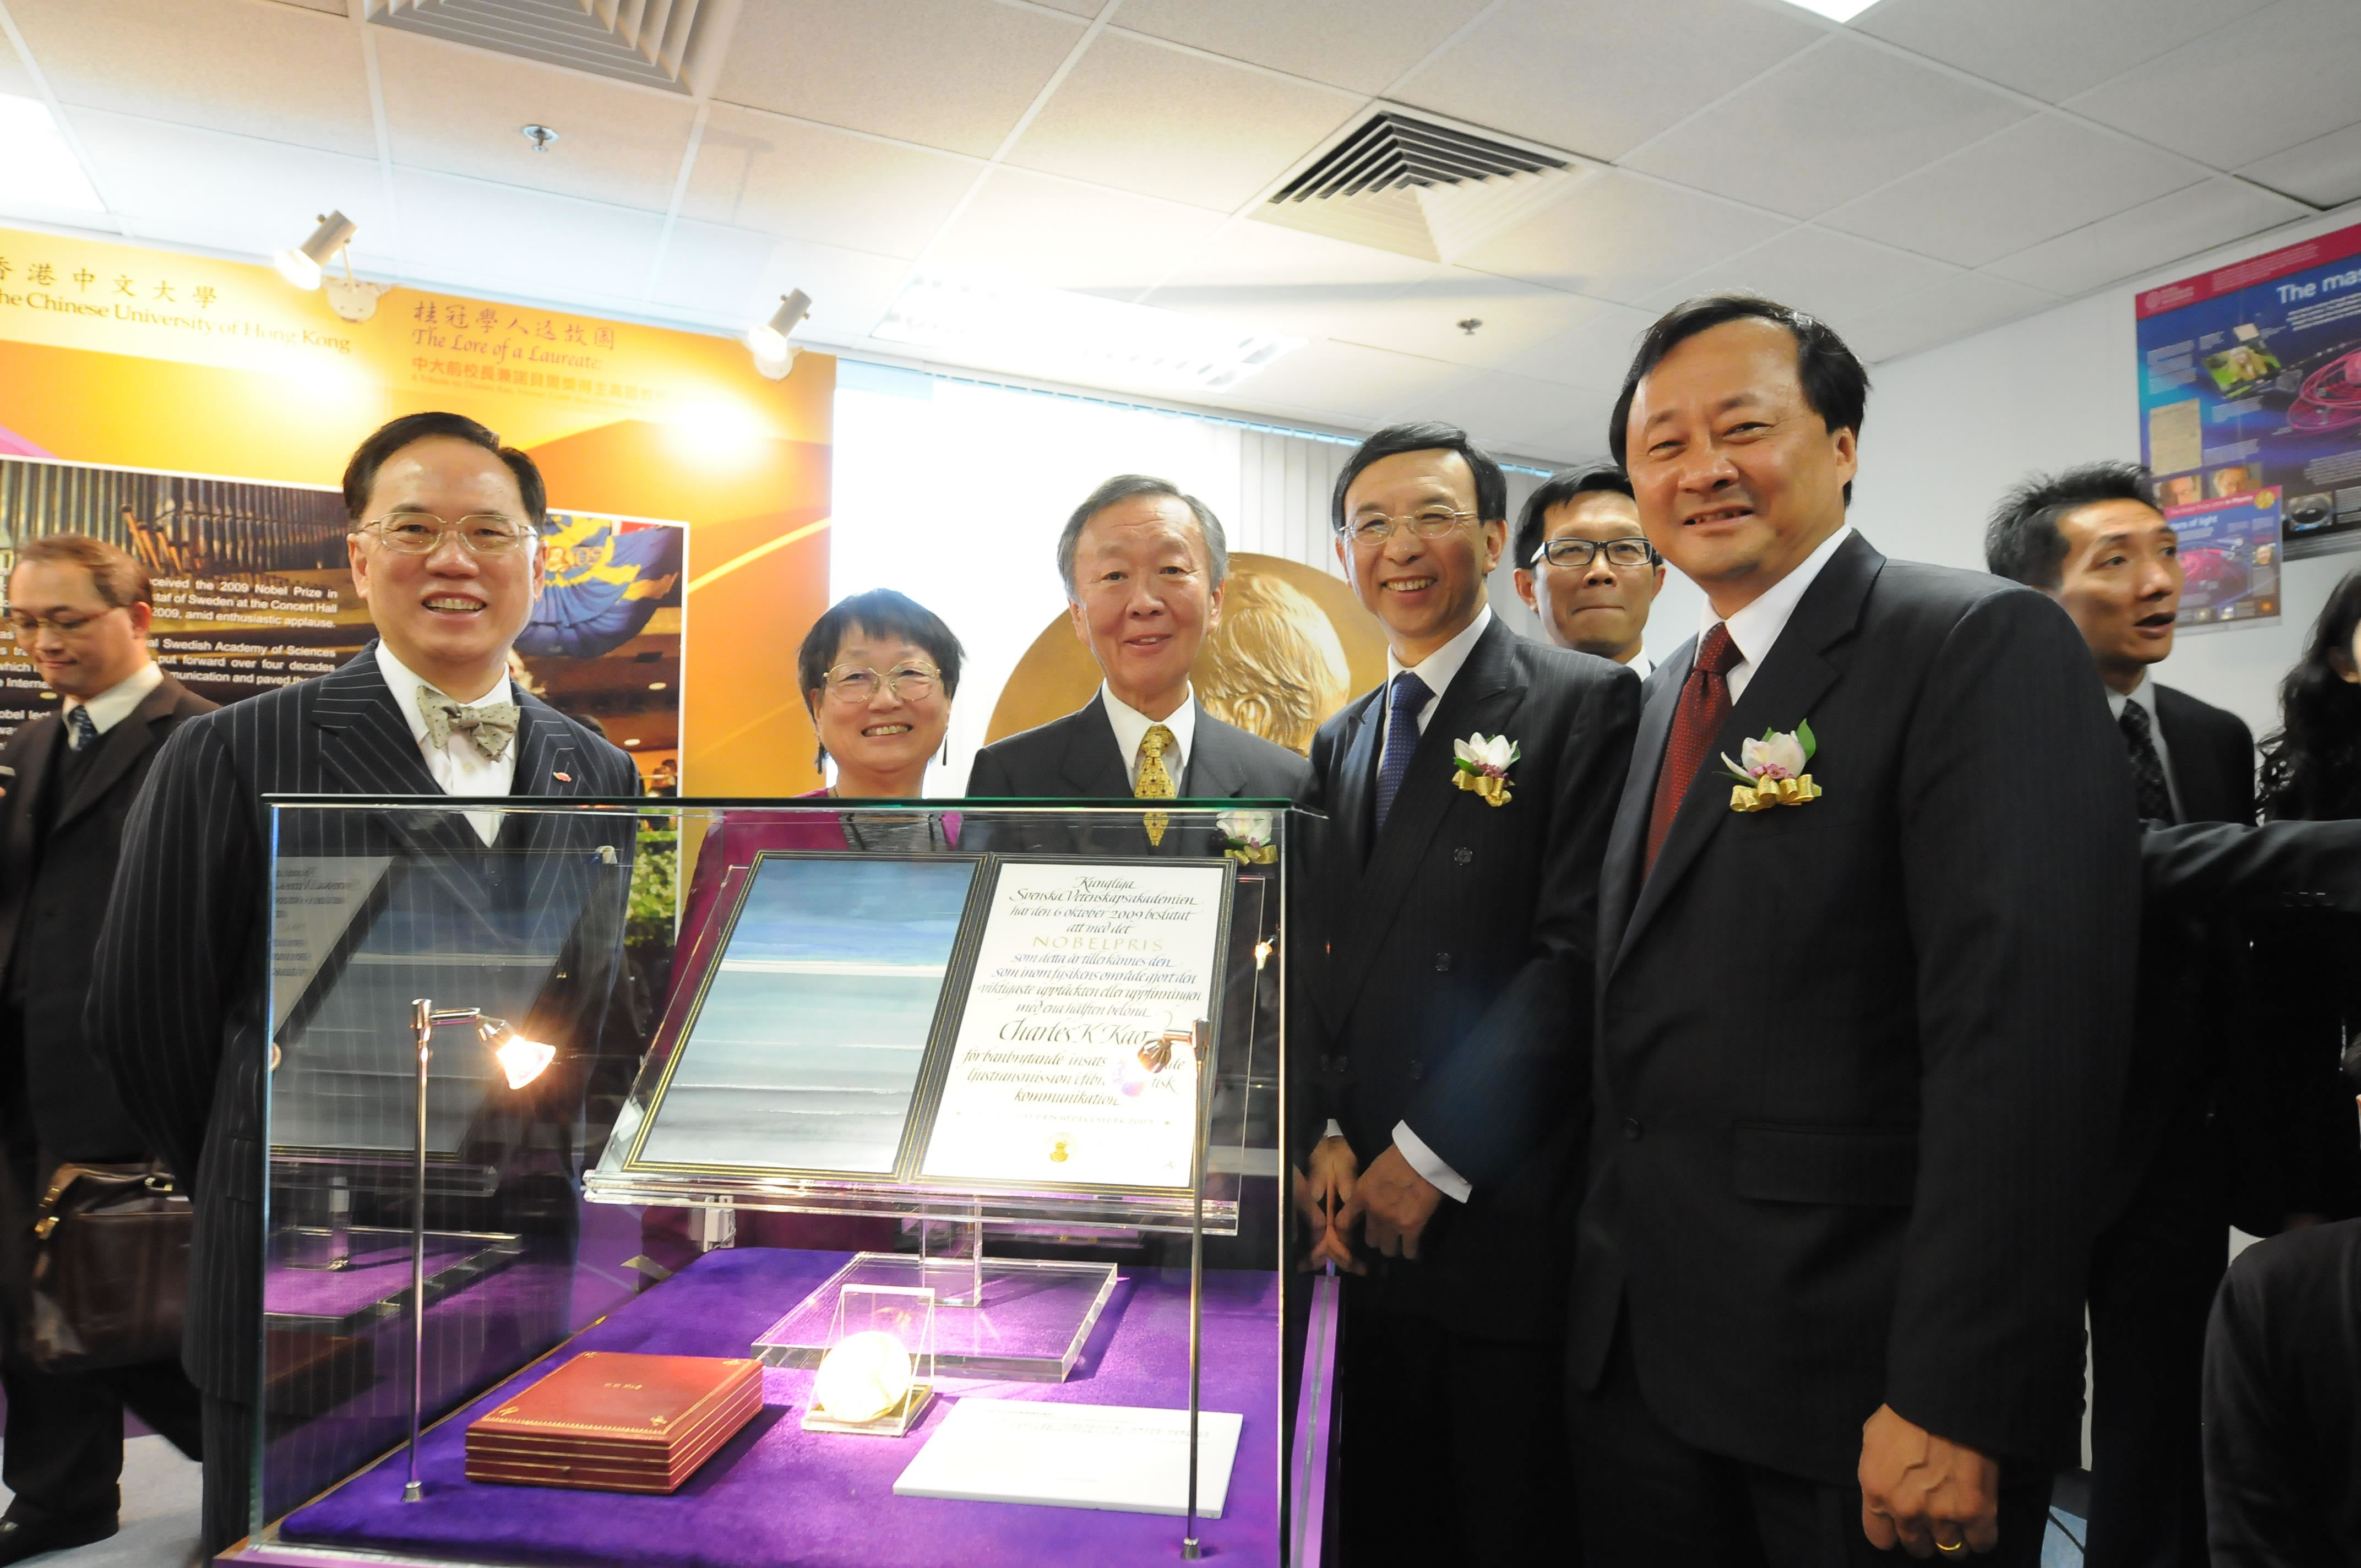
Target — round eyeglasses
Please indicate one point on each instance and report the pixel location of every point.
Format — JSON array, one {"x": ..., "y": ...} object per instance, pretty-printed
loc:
[
  {"x": 851, "y": 684},
  {"x": 423, "y": 532},
  {"x": 1578, "y": 553},
  {"x": 1427, "y": 522}
]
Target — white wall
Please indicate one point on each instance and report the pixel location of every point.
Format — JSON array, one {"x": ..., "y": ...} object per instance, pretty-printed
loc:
[{"x": 1950, "y": 430}]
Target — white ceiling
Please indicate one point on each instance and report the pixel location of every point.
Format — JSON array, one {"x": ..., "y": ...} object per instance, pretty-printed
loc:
[{"x": 1933, "y": 168}]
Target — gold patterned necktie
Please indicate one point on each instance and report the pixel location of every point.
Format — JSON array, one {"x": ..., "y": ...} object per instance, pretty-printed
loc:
[{"x": 1155, "y": 779}]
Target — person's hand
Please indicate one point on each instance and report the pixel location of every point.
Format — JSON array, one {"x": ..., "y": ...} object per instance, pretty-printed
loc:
[
  {"x": 1321, "y": 1194},
  {"x": 1924, "y": 1493},
  {"x": 1392, "y": 1203}
]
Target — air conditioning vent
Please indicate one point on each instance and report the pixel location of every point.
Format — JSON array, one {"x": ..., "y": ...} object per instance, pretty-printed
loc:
[
  {"x": 1424, "y": 188},
  {"x": 648, "y": 41}
]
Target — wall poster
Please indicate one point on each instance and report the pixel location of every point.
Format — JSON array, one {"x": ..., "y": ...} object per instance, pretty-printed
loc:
[{"x": 2250, "y": 404}]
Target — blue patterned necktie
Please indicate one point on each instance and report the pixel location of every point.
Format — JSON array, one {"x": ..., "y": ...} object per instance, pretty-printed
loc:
[
  {"x": 82, "y": 729},
  {"x": 1410, "y": 694}
]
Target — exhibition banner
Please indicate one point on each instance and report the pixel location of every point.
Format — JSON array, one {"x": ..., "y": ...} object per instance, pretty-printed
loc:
[
  {"x": 2250, "y": 403},
  {"x": 200, "y": 412},
  {"x": 254, "y": 589}
]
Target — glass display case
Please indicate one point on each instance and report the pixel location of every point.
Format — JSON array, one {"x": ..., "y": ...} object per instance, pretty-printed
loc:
[{"x": 671, "y": 1182}]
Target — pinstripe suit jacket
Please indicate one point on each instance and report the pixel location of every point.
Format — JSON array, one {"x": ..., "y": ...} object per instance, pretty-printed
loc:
[{"x": 180, "y": 1000}]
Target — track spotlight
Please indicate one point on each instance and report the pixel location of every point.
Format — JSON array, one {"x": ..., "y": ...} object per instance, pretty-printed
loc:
[
  {"x": 773, "y": 354},
  {"x": 302, "y": 267}
]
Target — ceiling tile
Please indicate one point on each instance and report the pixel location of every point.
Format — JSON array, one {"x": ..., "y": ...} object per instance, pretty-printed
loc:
[
  {"x": 528, "y": 242},
  {"x": 1162, "y": 122},
  {"x": 2042, "y": 47},
  {"x": 2155, "y": 234},
  {"x": 260, "y": 70},
  {"x": 1618, "y": 236},
  {"x": 15, "y": 80},
  {"x": 1593, "y": 354},
  {"x": 1580, "y": 438},
  {"x": 1076, "y": 8},
  {"x": 1346, "y": 381},
  {"x": 949, "y": 73},
  {"x": 1287, "y": 281},
  {"x": 761, "y": 171},
  {"x": 1512, "y": 317},
  {"x": 2326, "y": 171},
  {"x": 1845, "y": 118},
  {"x": 1039, "y": 230},
  {"x": 1831, "y": 276},
  {"x": 2035, "y": 179},
  {"x": 1502, "y": 411},
  {"x": 457, "y": 110},
  {"x": 1360, "y": 44},
  {"x": 1963, "y": 303},
  {"x": 2277, "y": 80},
  {"x": 736, "y": 276},
  {"x": 231, "y": 193},
  {"x": 1600, "y": 80},
  {"x": 333, "y": 7}
]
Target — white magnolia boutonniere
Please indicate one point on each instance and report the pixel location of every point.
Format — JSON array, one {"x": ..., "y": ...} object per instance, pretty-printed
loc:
[
  {"x": 1483, "y": 765},
  {"x": 1770, "y": 772},
  {"x": 1247, "y": 836}
]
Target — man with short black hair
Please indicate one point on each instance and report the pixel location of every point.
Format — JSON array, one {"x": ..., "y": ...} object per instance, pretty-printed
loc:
[
  {"x": 1144, "y": 566},
  {"x": 1864, "y": 993},
  {"x": 79, "y": 608},
  {"x": 1586, "y": 568},
  {"x": 447, "y": 551},
  {"x": 1443, "y": 1013}
]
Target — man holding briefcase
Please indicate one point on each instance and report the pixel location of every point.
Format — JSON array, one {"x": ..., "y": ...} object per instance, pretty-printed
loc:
[{"x": 79, "y": 609}]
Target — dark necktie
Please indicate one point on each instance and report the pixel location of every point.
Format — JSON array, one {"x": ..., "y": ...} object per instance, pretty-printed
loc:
[
  {"x": 1410, "y": 694},
  {"x": 2147, "y": 768},
  {"x": 81, "y": 730},
  {"x": 1705, "y": 707}
]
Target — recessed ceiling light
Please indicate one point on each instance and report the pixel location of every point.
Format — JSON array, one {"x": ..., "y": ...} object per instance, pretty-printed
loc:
[
  {"x": 41, "y": 169},
  {"x": 632, "y": 742},
  {"x": 1835, "y": 10},
  {"x": 655, "y": 686},
  {"x": 1077, "y": 336}
]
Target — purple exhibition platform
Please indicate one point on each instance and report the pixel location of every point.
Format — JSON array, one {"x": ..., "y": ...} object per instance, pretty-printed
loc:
[{"x": 778, "y": 1497}]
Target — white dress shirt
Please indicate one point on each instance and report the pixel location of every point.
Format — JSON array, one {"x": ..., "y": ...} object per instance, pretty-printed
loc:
[
  {"x": 1641, "y": 666},
  {"x": 1755, "y": 630},
  {"x": 1131, "y": 726},
  {"x": 460, "y": 768},
  {"x": 2143, "y": 695},
  {"x": 113, "y": 706}
]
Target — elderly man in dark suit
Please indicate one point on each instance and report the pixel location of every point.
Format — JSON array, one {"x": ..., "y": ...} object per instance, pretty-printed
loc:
[
  {"x": 79, "y": 608},
  {"x": 1441, "y": 1057},
  {"x": 445, "y": 551},
  {"x": 1144, "y": 566},
  {"x": 1864, "y": 987}
]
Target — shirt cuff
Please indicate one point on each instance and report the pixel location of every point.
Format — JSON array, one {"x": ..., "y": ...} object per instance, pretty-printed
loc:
[
  {"x": 1427, "y": 1163},
  {"x": 1335, "y": 1130}
]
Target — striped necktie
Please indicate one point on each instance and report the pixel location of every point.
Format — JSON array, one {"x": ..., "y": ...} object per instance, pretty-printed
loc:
[{"x": 1409, "y": 695}]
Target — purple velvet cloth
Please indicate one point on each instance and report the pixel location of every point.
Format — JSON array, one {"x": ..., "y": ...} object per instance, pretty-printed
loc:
[
  {"x": 776, "y": 1495},
  {"x": 380, "y": 1271}
]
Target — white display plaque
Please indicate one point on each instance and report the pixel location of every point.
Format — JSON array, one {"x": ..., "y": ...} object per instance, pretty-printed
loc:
[
  {"x": 1123, "y": 1457},
  {"x": 1066, "y": 1068}
]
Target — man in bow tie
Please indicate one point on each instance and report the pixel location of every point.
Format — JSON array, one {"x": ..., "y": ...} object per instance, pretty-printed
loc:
[
  {"x": 447, "y": 551},
  {"x": 1440, "y": 1067}
]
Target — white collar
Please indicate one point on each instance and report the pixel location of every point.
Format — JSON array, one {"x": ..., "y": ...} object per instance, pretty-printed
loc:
[
  {"x": 1439, "y": 668},
  {"x": 2143, "y": 695},
  {"x": 113, "y": 706},
  {"x": 1756, "y": 628},
  {"x": 1131, "y": 726},
  {"x": 404, "y": 686}
]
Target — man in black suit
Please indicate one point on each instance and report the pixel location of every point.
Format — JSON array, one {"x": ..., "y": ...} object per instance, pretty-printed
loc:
[
  {"x": 1440, "y": 1066},
  {"x": 1144, "y": 566},
  {"x": 444, "y": 549},
  {"x": 79, "y": 608},
  {"x": 1861, "y": 1038},
  {"x": 2093, "y": 539}
]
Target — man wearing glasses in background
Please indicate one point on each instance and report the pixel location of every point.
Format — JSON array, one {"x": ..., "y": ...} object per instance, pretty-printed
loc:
[
  {"x": 1441, "y": 1067},
  {"x": 1584, "y": 566},
  {"x": 445, "y": 552},
  {"x": 78, "y": 608}
]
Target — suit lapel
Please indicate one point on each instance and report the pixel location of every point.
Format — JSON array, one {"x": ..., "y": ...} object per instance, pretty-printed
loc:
[
  {"x": 34, "y": 766},
  {"x": 1481, "y": 699},
  {"x": 365, "y": 744},
  {"x": 1092, "y": 763},
  {"x": 1349, "y": 791},
  {"x": 118, "y": 749},
  {"x": 1627, "y": 842},
  {"x": 1214, "y": 773},
  {"x": 1791, "y": 678}
]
